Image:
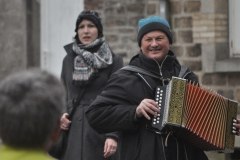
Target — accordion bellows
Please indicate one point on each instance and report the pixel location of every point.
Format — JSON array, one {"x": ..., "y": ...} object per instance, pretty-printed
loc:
[{"x": 197, "y": 114}]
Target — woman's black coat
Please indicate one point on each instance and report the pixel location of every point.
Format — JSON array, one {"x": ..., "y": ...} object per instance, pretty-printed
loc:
[
  {"x": 84, "y": 143},
  {"x": 114, "y": 110}
]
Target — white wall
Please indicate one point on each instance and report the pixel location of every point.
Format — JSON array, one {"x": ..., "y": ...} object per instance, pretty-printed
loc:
[{"x": 58, "y": 18}]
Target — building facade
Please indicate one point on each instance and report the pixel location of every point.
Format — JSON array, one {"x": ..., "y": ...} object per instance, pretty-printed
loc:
[{"x": 202, "y": 38}]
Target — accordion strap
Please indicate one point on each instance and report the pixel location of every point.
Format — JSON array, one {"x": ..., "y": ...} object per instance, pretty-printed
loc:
[
  {"x": 154, "y": 75},
  {"x": 76, "y": 103},
  {"x": 140, "y": 70},
  {"x": 182, "y": 72}
]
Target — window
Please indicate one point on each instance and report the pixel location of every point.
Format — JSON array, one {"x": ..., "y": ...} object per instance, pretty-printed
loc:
[
  {"x": 234, "y": 28},
  {"x": 224, "y": 57}
]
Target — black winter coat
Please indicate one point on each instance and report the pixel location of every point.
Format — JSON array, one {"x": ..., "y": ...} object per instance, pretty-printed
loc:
[
  {"x": 114, "y": 110},
  {"x": 84, "y": 143}
]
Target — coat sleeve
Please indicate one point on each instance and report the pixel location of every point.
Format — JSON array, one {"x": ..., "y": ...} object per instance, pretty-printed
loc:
[
  {"x": 117, "y": 64},
  {"x": 112, "y": 111}
]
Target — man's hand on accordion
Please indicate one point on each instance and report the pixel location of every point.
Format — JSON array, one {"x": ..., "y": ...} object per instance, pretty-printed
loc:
[
  {"x": 146, "y": 107},
  {"x": 237, "y": 125}
]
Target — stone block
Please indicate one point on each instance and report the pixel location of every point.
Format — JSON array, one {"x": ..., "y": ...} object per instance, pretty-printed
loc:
[
  {"x": 193, "y": 65},
  {"x": 174, "y": 39},
  {"x": 114, "y": 8},
  {"x": 151, "y": 9},
  {"x": 93, "y": 4},
  {"x": 215, "y": 79},
  {"x": 221, "y": 6},
  {"x": 11, "y": 7},
  {"x": 194, "y": 51},
  {"x": 185, "y": 37},
  {"x": 97, "y": 4},
  {"x": 183, "y": 22},
  {"x": 114, "y": 21},
  {"x": 127, "y": 30},
  {"x": 122, "y": 54},
  {"x": 200, "y": 28},
  {"x": 133, "y": 21},
  {"x": 178, "y": 50},
  {"x": 192, "y": 6},
  {"x": 132, "y": 1},
  {"x": 238, "y": 96},
  {"x": 222, "y": 51},
  {"x": 207, "y": 6},
  {"x": 125, "y": 39},
  {"x": 111, "y": 38},
  {"x": 137, "y": 8},
  {"x": 234, "y": 79},
  {"x": 175, "y": 7},
  {"x": 226, "y": 93},
  {"x": 13, "y": 37}
]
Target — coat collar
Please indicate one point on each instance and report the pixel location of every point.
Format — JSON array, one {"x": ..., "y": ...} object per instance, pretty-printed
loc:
[
  {"x": 152, "y": 65},
  {"x": 68, "y": 49}
]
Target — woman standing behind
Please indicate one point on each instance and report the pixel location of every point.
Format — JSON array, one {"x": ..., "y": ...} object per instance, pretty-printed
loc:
[{"x": 88, "y": 64}]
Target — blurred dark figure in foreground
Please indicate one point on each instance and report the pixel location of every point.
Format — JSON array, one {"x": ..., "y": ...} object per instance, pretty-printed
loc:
[{"x": 31, "y": 104}]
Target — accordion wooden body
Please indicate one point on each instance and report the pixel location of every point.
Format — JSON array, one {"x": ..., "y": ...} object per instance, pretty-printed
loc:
[{"x": 196, "y": 114}]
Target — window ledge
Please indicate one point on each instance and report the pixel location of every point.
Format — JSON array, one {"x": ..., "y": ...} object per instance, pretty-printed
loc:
[
  {"x": 211, "y": 65},
  {"x": 229, "y": 65}
]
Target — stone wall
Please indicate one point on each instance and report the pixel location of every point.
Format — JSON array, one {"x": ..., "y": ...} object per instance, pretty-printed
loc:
[
  {"x": 19, "y": 36},
  {"x": 200, "y": 33},
  {"x": 13, "y": 29},
  {"x": 200, "y": 37},
  {"x": 195, "y": 24}
]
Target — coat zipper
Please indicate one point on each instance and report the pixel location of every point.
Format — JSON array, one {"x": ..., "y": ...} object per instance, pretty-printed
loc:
[{"x": 160, "y": 68}]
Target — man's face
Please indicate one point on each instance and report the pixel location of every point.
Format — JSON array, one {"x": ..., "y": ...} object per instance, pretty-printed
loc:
[{"x": 155, "y": 44}]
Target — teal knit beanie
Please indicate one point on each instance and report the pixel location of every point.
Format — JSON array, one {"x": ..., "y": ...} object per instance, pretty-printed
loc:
[{"x": 153, "y": 23}]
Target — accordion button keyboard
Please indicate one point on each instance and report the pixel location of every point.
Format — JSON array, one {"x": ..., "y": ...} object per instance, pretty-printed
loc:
[
  {"x": 160, "y": 95},
  {"x": 156, "y": 121}
]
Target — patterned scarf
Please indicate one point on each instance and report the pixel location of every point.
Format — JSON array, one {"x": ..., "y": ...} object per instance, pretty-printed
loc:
[{"x": 86, "y": 64}]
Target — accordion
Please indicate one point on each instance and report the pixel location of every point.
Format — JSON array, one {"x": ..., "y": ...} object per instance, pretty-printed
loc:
[{"x": 196, "y": 114}]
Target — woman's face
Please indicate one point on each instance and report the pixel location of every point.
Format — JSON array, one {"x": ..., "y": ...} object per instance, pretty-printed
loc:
[
  {"x": 155, "y": 44},
  {"x": 87, "y": 32}
]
